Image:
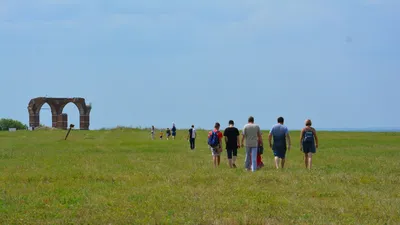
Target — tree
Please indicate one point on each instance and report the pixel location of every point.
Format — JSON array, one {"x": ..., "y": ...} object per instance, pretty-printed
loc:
[{"x": 5, "y": 124}]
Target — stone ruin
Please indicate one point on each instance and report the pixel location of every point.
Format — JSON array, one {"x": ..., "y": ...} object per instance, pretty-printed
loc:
[{"x": 59, "y": 119}]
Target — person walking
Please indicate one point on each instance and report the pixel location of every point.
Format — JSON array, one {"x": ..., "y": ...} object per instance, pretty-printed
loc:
[
  {"x": 173, "y": 131},
  {"x": 192, "y": 137},
  {"x": 168, "y": 132},
  {"x": 260, "y": 151},
  {"x": 232, "y": 143},
  {"x": 152, "y": 132},
  {"x": 280, "y": 135},
  {"x": 252, "y": 136},
  {"x": 308, "y": 143},
  {"x": 215, "y": 144}
]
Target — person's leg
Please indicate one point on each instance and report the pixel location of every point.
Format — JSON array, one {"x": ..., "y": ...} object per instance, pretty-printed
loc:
[
  {"x": 194, "y": 143},
  {"x": 234, "y": 157},
  {"x": 283, "y": 162},
  {"x": 258, "y": 160},
  {"x": 247, "y": 159},
  {"x": 309, "y": 160},
  {"x": 229, "y": 153},
  {"x": 254, "y": 159},
  {"x": 276, "y": 159},
  {"x": 306, "y": 160},
  {"x": 191, "y": 143}
]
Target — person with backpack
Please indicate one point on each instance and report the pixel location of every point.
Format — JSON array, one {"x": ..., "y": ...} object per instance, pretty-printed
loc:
[
  {"x": 232, "y": 143},
  {"x": 308, "y": 143},
  {"x": 280, "y": 135},
  {"x": 215, "y": 144},
  {"x": 252, "y": 135}
]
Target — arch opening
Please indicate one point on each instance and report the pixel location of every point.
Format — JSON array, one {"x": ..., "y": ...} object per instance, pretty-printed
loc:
[
  {"x": 45, "y": 116},
  {"x": 73, "y": 114}
]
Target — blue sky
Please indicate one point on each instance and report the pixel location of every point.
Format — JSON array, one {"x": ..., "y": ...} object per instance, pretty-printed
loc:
[{"x": 197, "y": 62}]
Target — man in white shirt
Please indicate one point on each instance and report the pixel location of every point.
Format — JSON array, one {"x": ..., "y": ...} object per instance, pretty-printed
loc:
[
  {"x": 252, "y": 136},
  {"x": 192, "y": 137}
]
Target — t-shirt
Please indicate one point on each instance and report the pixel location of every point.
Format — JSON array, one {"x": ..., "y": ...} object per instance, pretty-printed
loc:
[
  {"x": 192, "y": 133},
  {"x": 219, "y": 133},
  {"x": 279, "y": 133},
  {"x": 250, "y": 132},
  {"x": 232, "y": 134}
]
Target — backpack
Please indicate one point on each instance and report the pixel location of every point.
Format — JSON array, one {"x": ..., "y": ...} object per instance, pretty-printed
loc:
[
  {"x": 213, "y": 139},
  {"x": 308, "y": 137}
]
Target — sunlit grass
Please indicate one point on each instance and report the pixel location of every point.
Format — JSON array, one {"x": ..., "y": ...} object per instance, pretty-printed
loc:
[{"x": 122, "y": 177}]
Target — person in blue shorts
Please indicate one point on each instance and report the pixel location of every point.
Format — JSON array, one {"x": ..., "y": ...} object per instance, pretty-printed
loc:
[
  {"x": 280, "y": 135},
  {"x": 308, "y": 143}
]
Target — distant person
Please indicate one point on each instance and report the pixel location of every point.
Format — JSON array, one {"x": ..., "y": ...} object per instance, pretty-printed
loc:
[
  {"x": 161, "y": 134},
  {"x": 252, "y": 136},
  {"x": 152, "y": 132},
  {"x": 168, "y": 132},
  {"x": 215, "y": 144},
  {"x": 173, "y": 131},
  {"x": 192, "y": 137},
  {"x": 232, "y": 143},
  {"x": 280, "y": 135},
  {"x": 308, "y": 143}
]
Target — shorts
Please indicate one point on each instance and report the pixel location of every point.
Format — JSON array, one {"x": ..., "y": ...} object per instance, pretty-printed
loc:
[
  {"x": 231, "y": 152},
  {"x": 280, "y": 153},
  {"x": 308, "y": 149},
  {"x": 174, "y": 134},
  {"x": 215, "y": 151}
]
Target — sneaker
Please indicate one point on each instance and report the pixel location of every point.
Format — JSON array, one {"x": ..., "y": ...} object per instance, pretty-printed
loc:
[{"x": 234, "y": 165}]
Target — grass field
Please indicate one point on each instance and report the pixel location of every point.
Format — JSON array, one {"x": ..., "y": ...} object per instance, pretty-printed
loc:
[{"x": 123, "y": 177}]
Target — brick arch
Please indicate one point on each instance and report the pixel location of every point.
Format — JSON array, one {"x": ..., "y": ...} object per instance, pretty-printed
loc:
[{"x": 59, "y": 119}]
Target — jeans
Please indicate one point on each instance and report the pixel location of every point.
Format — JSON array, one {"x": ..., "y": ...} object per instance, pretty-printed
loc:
[
  {"x": 192, "y": 143},
  {"x": 251, "y": 158}
]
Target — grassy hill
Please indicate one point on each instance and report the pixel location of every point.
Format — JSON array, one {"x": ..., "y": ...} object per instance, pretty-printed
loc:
[{"x": 122, "y": 177}]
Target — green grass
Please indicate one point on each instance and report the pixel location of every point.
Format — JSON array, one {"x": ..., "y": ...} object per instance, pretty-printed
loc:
[{"x": 122, "y": 177}]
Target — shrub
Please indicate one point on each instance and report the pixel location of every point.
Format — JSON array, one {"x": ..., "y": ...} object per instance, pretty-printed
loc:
[{"x": 5, "y": 124}]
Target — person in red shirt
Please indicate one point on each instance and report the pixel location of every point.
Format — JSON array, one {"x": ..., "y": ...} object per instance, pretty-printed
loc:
[
  {"x": 260, "y": 151},
  {"x": 216, "y": 148}
]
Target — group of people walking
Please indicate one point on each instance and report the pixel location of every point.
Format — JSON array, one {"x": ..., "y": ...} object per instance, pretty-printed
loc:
[
  {"x": 279, "y": 141},
  {"x": 169, "y": 132}
]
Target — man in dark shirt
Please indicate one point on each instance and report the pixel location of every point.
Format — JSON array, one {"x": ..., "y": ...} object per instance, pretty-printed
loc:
[{"x": 232, "y": 141}]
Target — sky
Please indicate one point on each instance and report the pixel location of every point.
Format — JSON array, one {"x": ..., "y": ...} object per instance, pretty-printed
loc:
[{"x": 155, "y": 62}]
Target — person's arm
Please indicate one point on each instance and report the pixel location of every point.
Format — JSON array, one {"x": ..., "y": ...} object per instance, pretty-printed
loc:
[
  {"x": 220, "y": 142},
  {"x": 238, "y": 139},
  {"x": 270, "y": 138},
  {"x": 225, "y": 137},
  {"x": 316, "y": 138},
  {"x": 301, "y": 139},
  {"x": 288, "y": 139},
  {"x": 243, "y": 135}
]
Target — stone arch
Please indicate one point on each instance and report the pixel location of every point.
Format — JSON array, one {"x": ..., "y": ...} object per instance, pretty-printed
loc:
[{"x": 57, "y": 105}]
